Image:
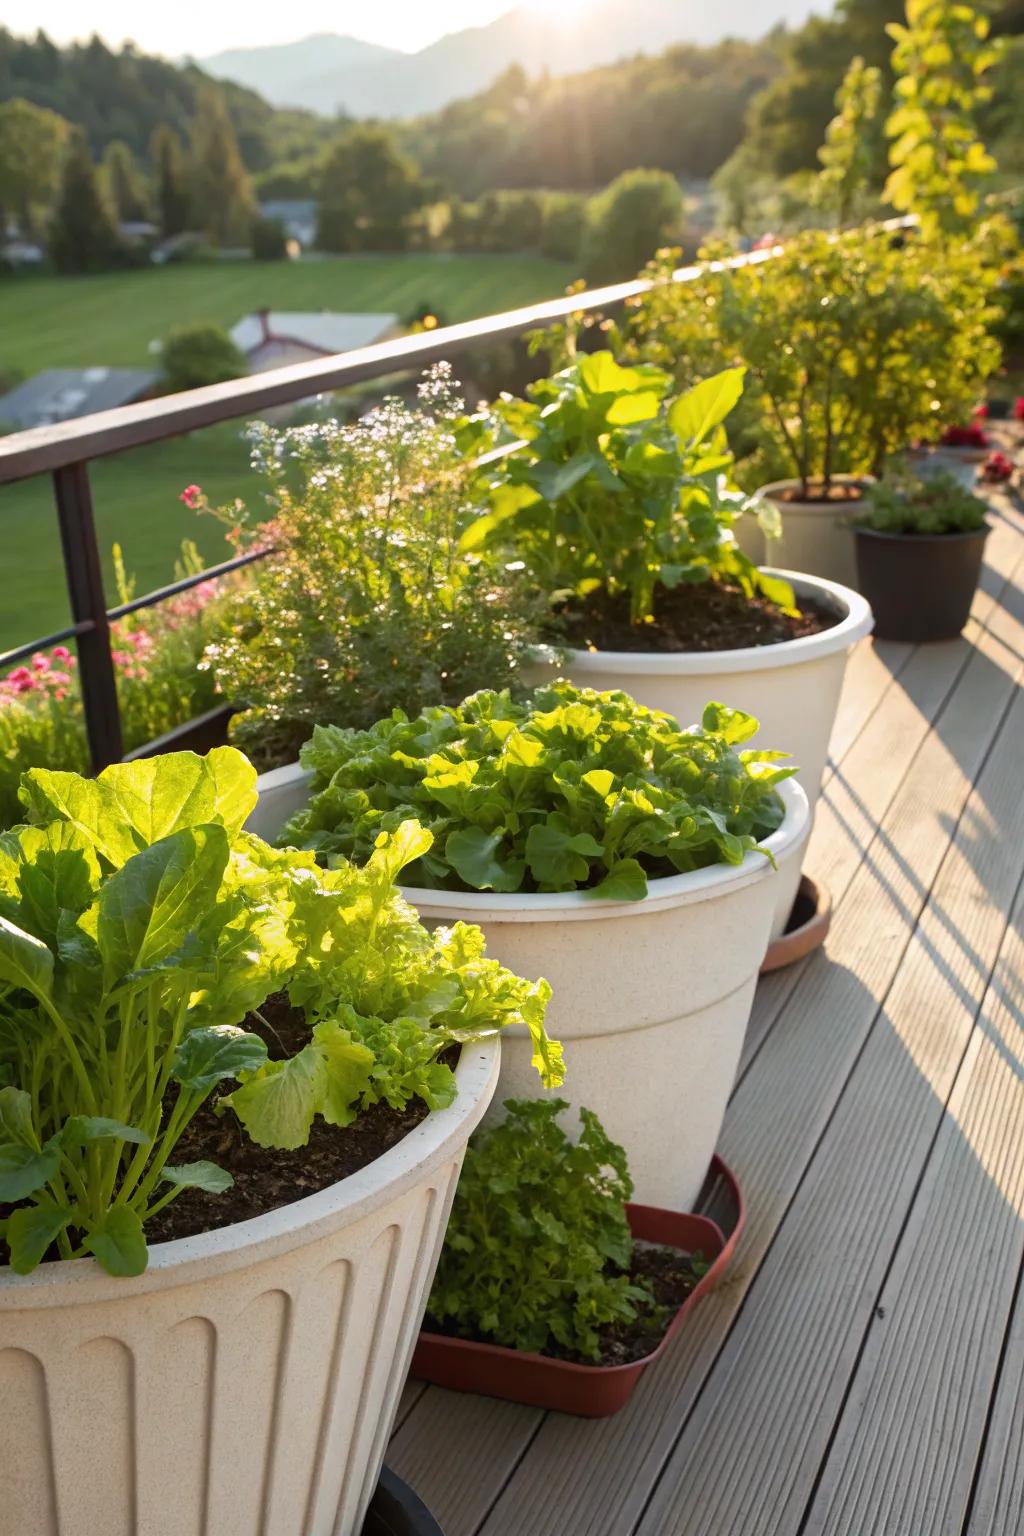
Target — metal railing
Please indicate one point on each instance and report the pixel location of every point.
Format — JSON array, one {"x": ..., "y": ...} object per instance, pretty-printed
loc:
[{"x": 66, "y": 450}]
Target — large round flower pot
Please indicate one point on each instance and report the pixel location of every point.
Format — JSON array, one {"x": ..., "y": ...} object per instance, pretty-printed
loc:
[
  {"x": 920, "y": 586},
  {"x": 816, "y": 535},
  {"x": 247, "y": 1382},
  {"x": 792, "y": 688},
  {"x": 650, "y": 998}
]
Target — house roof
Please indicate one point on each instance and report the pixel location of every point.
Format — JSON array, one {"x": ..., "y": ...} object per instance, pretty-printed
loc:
[
  {"x": 58, "y": 394},
  {"x": 321, "y": 331}
]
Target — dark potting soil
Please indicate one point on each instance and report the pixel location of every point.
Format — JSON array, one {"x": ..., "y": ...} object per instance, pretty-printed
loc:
[
  {"x": 702, "y": 616},
  {"x": 267, "y": 1177},
  {"x": 669, "y": 1274},
  {"x": 817, "y": 491}
]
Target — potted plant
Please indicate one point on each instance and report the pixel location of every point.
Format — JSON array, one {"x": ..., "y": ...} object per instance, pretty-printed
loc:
[
  {"x": 620, "y": 507},
  {"x": 919, "y": 550},
  {"x": 230, "y": 1128},
  {"x": 543, "y": 1295},
  {"x": 599, "y": 845},
  {"x": 856, "y": 343}
]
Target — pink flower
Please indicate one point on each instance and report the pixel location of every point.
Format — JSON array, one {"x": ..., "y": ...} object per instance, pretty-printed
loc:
[
  {"x": 61, "y": 653},
  {"x": 980, "y": 412},
  {"x": 192, "y": 496},
  {"x": 1018, "y": 408},
  {"x": 40, "y": 662}
]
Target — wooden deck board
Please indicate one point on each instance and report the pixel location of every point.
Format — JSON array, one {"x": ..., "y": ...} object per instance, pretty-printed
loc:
[{"x": 869, "y": 1071}]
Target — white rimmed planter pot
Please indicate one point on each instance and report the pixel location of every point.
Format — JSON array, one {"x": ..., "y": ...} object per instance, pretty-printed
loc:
[
  {"x": 816, "y": 535},
  {"x": 793, "y": 689},
  {"x": 650, "y": 999},
  {"x": 248, "y": 1381}
]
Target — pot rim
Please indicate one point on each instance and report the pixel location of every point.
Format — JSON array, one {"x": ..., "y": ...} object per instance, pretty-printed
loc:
[
  {"x": 969, "y": 535},
  {"x": 857, "y": 622},
  {"x": 662, "y": 895},
  {"x": 814, "y": 504},
  {"x": 187, "y": 1260}
]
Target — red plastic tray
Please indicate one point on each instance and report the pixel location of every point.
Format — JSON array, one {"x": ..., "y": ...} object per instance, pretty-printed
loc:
[{"x": 590, "y": 1391}]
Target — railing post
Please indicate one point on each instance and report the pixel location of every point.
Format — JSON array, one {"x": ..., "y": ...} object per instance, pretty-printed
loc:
[{"x": 89, "y": 606}]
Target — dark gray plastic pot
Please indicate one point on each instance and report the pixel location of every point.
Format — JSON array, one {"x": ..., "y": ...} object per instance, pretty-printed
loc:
[
  {"x": 396, "y": 1511},
  {"x": 920, "y": 586}
]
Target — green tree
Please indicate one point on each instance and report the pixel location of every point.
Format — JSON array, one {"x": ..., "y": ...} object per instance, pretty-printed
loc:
[
  {"x": 848, "y": 153},
  {"x": 83, "y": 237},
  {"x": 31, "y": 142},
  {"x": 631, "y": 219},
  {"x": 368, "y": 192},
  {"x": 221, "y": 191},
  {"x": 123, "y": 182},
  {"x": 940, "y": 166},
  {"x": 200, "y": 354},
  {"x": 171, "y": 181}
]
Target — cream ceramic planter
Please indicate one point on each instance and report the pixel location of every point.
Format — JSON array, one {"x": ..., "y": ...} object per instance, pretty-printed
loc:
[
  {"x": 247, "y": 1382},
  {"x": 792, "y": 688},
  {"x": 816, "y": 535},
  {"x": 650, "y": 999}
]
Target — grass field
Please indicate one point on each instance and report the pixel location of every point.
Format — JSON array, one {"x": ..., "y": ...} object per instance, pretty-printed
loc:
[
  {"x": 78, "y": 322},
  {"x": 71, "y": 322}
]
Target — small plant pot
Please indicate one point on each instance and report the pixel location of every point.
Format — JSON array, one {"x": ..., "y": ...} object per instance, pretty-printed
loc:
[
  {"x": 807, "y": 929},
  {"x": 395, "y": 1510},
  {"x": 588, "y": 1391},
  {"x": 920, "y": 586},
  {"x": 816, "y": 536},
  {"x": 249, "y": 1379}
]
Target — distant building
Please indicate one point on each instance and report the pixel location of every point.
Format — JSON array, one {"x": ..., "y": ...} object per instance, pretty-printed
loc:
[
  {"x": 58, "y": 394},
  {"x": 22, "y": 253},
  {"x": 297, "y": 214},
  {"x": 272, "y": 338}
]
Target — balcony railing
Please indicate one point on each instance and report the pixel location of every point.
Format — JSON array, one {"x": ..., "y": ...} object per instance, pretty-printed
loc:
[{"x": 66, "y": 450}]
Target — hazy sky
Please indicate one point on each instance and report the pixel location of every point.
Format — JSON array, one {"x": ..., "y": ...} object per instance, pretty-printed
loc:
[{"x": 190, "y": 26}]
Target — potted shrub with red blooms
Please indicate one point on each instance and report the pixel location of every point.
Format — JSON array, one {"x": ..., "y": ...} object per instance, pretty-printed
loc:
[
  {"x": 919, "y": 551},
  {"x": 237, "y": 1089}
]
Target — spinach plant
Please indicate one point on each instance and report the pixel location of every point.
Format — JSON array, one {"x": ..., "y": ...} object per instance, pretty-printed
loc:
[
  {"x": 538, "y": 1247},
  {"x": 140, "y": 926},
  {"x": 619, "y": 489},
  {"x": 927, "y": 504},
  {"x": 571, "y": 789}
]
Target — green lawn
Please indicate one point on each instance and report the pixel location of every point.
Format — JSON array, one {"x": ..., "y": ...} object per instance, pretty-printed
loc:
[
  {"x": 48, "y": 322},
  {"x": 77, "y": 322}
]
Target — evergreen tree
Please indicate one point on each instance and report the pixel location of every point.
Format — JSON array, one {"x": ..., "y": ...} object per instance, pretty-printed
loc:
[
  {"x": 221, "y": 191},
  {"x": 171, "y": 179},
  {"x": 83, "y": 237},
  {"x": 123, "y": 183}
]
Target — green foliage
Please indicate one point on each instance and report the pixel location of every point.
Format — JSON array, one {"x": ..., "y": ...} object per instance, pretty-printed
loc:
[
  {"x": 854, "y": 345},
  {"x": 126, "y": 191},
  {"x": 570, "y": 790},
  {"x": 631, "y": 219},
  {"x": 199, "y": 354},
  {"x": 82, "y": 234},
  {"x": 848, "y": 154},
  {"x": 368, "y": 603},
  {"x": 618, "y": 488},
  {"x": 552, "y": 223},
  {"x": 221, "y": 193},
  {"x": 268, "y": 240},
  {"x": 538, "y": 1248},
  {"x": 926, "y": 504},
  {"x": 171, "y": 194},
  {"x": 139, "y": 927},
  {"x": 369, "y": 191},
  {"x": 940, "y": 166},
  {"x": 31, "y": 141}
]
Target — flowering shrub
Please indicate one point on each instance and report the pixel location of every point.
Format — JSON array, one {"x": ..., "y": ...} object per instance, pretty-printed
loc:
[
  {"x": 368, "y": 602},
  {"x": 997, "y": 469},
  {"x": 973, "y": 436},
  {"x": 162, "y": 681}
]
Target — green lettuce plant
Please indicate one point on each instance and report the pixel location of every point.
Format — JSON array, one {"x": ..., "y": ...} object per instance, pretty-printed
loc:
[
  {"x": 571, "y": 790},
  {"x": 619, "y": 489},
  {"x": 140, "y": 927},
  {"x": 538, "y": 1248},
  {"x": 926, "y": 504}
]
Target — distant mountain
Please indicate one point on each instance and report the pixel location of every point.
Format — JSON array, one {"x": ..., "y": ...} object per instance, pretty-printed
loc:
[{"x": 329, "y": 73}]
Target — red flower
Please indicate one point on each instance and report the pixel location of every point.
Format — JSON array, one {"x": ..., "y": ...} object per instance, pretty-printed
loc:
[
  {"x": 1018, "y": 408},
  {"x": 61, "y": 653},
  {"x": 998, "y": 469},
  {"x": 980, "y": 412},
  {"x": 192, "y": 496},
  {"x": 964, "y": 437}
]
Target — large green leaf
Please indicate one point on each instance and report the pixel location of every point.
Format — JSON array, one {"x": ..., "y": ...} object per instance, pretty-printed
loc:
[
  {"x": 557, "y": 855},
  {"x": 160, "y": 899},
  {"x": 348, "y": 1067},
  {"x": 732, "y": 724},
  {"x": 481, "y": 860},
  {"x": 695, "y": 415},
  {"x": 207, "y": 1056},
  {"x": 16, "y": 1117},
  {"x": 277, "y": 1106},
  {"x": 30, "y": 1231},
  {"x": 58, "y": 872},
  {"x": 25, "y": 961},
  {"x": 202, "y": 1175},
  {"x": 118, "y": 1242},
  {"x": 79, "y": 1130},
  {"x": 23, "y": 1169}
]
